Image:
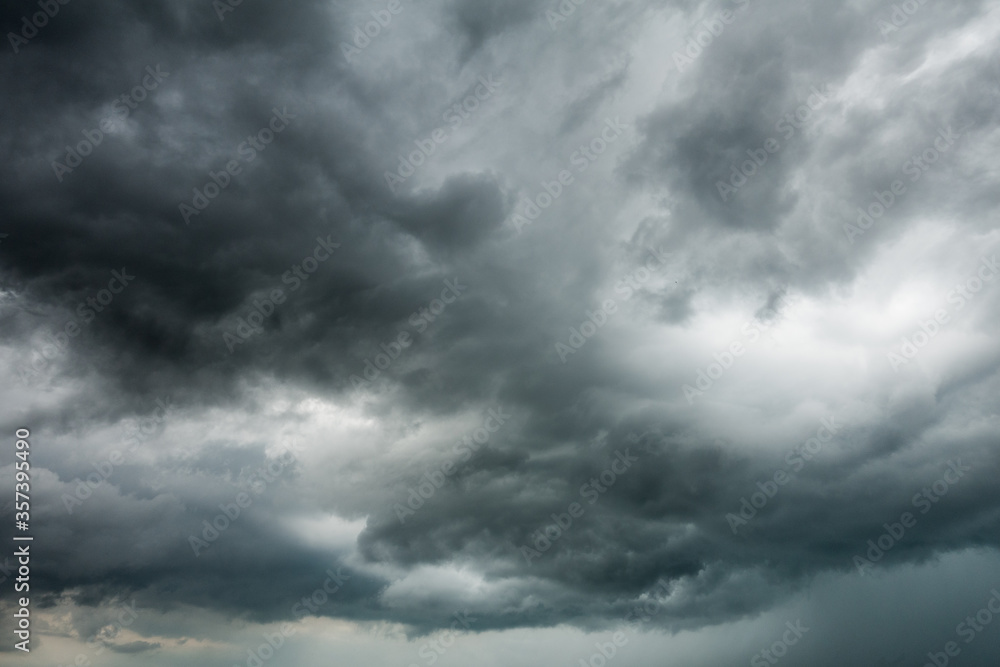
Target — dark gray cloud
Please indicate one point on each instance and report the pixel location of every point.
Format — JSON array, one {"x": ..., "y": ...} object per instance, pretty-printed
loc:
[{"x": 695, "y": 296}]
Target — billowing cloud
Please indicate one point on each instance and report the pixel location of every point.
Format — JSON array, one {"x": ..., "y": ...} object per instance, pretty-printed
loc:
[{"x": 502, "y": 321}]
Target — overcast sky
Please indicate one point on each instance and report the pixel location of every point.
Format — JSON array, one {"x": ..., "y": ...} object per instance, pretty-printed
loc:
[{"x": 451, "y": 332}]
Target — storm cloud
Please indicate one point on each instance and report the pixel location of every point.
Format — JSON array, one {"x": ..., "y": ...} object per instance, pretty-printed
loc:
[{"x": 364, "y": 325}]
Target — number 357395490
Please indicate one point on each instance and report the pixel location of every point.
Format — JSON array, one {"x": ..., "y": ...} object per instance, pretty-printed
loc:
[{"x": 21, "y": 477}]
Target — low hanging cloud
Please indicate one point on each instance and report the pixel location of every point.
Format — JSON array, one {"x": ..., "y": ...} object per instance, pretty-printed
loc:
[{"x": 691, "y": 311}]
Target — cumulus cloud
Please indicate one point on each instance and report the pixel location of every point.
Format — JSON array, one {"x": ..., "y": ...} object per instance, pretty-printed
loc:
[{"x": 691, "y": 309}]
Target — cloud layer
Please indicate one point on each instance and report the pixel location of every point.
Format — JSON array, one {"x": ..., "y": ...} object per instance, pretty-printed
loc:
[{"x": 533, "y": 312}]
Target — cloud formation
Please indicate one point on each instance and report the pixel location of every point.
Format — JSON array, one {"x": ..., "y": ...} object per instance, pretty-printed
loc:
[{"x": 191, "y": 293}]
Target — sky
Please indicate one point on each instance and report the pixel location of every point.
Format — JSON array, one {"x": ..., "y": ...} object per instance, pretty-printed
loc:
[{"x": 511, "y": 333}]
